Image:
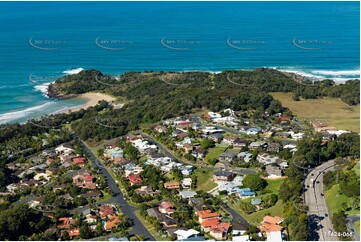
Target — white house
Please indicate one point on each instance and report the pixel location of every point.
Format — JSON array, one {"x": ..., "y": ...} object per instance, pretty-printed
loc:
[
  {"x": 64, "y": 149},
  {"x": 185, "y": 234}
]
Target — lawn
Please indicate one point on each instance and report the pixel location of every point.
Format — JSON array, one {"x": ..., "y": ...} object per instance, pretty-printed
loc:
[
  {"x": 105, "y": 197},
  {"x": 215, "y": 152},
  {"x": 204, "y": 176},
  {"x": 272, "y": 187},
  {"x": 257, "y": 217},
  {"x": 331, "y": 110},
  {"x": 335, "y": 200}
]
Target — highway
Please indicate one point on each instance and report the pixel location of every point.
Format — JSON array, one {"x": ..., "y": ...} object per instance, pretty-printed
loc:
[
  {"x": 318, "y": 212},
  {"x": 127, "y": 210}
]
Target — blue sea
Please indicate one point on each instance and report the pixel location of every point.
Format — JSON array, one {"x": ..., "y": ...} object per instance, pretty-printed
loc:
[{"x": 41, "y": 41}]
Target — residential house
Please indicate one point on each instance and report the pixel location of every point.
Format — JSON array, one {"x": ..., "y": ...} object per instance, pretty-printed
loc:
[
  {"x": 52, "y": 171},
  {"x": 246, "y": 192},
  {"x": 186, "y": 183},
  {"x": 166, "y": 207},
  {"x": 253, "y": 130},
  {"x": 204, "y": 215},
  {"x": 112, "y": 222},
  {"x": 240, "y": 238},
  {"x": 106, "y": 210},
  {"x": 187, "y": 194},
  {"x": 245, "y": 156},
  {"x": 235, "y": 141},
  {"x": 187, "y": 147},
  {"x": 79, "y": 161},
  {"x": 64, "y": 149},
  {"x": 226, "y": 156},
  {"x": 271, "y": 224},
  {"x": 267, "y": 159},
  {"x": 84, "y": 180},
  {"x": 73, "y": 232},
  {"x": 114, "y": 153},
  {"x": 275, "y": 236},
  {"x": 273, "y": 147},
  {"x": 65, "y": 222},
  {"x": 186, "y": 170},
  {"x": 91, "y": 194},
  {"x": 223, "y": 176},
  {"x": 143, "y": 146},
  {"x": 258, "y": 145},
  {"x": 160, "y": 128},
  {"x": 211, "y": 130},
  {"x": 199, "y": 153},
  {"x": 212, "y": 115},
  {"x": 257, "y": 203},
  {"x": 90, "y": 219},
  {"x": 283, "y": 135},
  {"x": 146, "y": 190},
  {"x": 186, "y": 234},
  {"x": 220, "y": 231},
  {"x": 135, "y": 179},
  {"x": 273, "y": 171},
  {"x": 171, "y": 185},
  {"x": 216, "y": 137}
]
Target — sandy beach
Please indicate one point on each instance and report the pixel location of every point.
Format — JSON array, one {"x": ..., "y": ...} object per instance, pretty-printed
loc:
[{"x": 92, "y": 99}]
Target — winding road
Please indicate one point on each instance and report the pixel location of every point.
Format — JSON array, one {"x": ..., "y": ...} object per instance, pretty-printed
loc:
[
  {"x": 118, "y": 198},
  {"x": 319, "y": 219}
]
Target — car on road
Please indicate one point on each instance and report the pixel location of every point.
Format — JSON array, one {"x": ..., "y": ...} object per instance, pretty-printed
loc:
[
  {"x": 326, "y": 214},
  {"x": 312, "y": 174},
  {"x": 322, "y": 194},
  {"x": 317, "y": 182}
]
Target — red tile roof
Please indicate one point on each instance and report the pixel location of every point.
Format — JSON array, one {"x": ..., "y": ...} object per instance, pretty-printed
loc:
[
  {"x": 210, "y": 222},
  {"x": 207, "y": 214},
  {"x": 135, "y": 179},
  {"x": 79, "y": 160}
]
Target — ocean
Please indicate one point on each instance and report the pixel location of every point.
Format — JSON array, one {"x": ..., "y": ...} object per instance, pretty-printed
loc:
[{"x": 42, "y": 41}]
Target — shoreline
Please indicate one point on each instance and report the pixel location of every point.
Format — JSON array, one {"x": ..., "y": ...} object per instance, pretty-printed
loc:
[{"x": 91, "y": 98}]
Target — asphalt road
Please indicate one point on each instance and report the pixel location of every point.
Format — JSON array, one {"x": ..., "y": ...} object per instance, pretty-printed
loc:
[
  {"x": 350, "y": 225},
  {"x": 237, "y": 219},
  {"x": 319, "y": 218},
  {"x": 127, "y": 210}
]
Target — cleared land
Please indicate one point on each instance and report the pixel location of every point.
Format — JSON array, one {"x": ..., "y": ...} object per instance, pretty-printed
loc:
[
  {"x": 276, "y": 210},
  {"x": 204, "y": 179},
  {"x": 331, "y": 110},
  {"x": 213, "y": 153}
]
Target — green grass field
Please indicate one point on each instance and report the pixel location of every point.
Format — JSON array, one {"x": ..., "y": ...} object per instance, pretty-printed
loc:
[
  {"x": 215, "y": 152},
  {"x": 276, "y": 210},
  {"x": 335, "y": 200},
  {"x": 331, "y": 110},
  {"x": 204, "y": 176}
]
